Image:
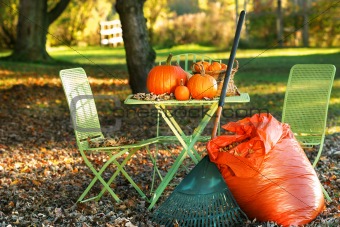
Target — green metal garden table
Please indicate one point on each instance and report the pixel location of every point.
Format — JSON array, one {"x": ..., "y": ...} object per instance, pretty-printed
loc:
[{"x": 187, "y": 141}]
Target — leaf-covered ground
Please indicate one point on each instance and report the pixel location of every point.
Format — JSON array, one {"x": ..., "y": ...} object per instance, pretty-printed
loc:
[{"x": 42, "y": 174}]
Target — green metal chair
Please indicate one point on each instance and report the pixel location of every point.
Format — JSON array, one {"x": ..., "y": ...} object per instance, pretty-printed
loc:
[
  {"x": 306, "y": 103},
  {"x": 87, "y": 127}
]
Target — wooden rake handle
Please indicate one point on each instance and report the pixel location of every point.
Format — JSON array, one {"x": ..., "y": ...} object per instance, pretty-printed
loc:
[{"x": 230, "y": 67}]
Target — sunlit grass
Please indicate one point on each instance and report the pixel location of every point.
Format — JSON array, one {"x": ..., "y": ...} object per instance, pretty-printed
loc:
[
  {"x": 332, "y": 130},
  {"x": 262, "y": 73},
  {"x": 263, "y": 89},
  {"x": 7, "y": 82},
  {"x": 91, "y": 50},
  {"x": 285, "y": 52},
  {"x": 335, "y": 95},
  {"x": 4, "y": 53},
  {"x": 89, "y": 55},
  {"x": 107, "y": 81},
  {"x": 189, "y": 48},
  {"x": 108, "y": 86},
  {"x": 248, "y": 58},
  {"x": 109, "y": 55},
  {"x": 245, "y": 53}
]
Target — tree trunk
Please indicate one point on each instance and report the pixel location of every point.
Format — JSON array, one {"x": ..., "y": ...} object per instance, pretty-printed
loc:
[
  {"x": 32, "y": 29},
  {"x": 279, "y": 24},
  {"x": 236, "y": 13},
  {"x": 140, "y": 56},
  {"x": 246, "y": 30},
  {"x": 305, "y": 31}
]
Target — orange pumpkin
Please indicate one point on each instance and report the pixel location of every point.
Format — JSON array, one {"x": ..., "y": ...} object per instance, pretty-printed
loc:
[
  {"x": 214, "y": 66},
  {"x": 182, "y": 92},
  {"x": 202, "y": 86},
  {"x": 196, "y": 66},
  {"x": 165, "y": 78},
  {"x": 223, "y": 66}
]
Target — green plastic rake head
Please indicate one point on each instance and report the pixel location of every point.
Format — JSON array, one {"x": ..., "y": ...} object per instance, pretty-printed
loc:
[{"x": 201, "y": 199}]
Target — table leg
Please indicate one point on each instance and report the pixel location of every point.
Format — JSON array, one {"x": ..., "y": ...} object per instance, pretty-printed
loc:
[
  {"x": 186, "y": 147},
  {"x": 175, "y": 128},
  {"x": 179, "y": 132},
  {"x": 205, "y": 120},
  {"x": 168, "y": 177}
]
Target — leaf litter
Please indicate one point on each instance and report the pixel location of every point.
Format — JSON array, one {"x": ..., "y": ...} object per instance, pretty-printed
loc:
[{"x": 42, "y": 173}]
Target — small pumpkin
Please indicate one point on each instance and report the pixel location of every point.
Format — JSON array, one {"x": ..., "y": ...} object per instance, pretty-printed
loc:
[
  {"x": 214, "y": 66},
  {"x": 165, "y": 78},
  {"x": 223, "y": 66},
  {"x": 202, "y": 85},
  {"x": 196, "y": 66},
  {"x": 182, "y": 92}
]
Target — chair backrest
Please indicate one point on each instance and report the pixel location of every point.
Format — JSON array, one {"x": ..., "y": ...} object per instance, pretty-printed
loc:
[
  {"x": 82, "y": 107},
  {"x": 186, "y": 60},
  {"x": 307, "y": 98}
]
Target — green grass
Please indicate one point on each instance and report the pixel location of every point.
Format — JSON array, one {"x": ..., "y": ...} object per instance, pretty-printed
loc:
[
  {"x": 263, "y": 73},
  {"x": 89, "y": 55},
  {"x": 4, "y": 53}
]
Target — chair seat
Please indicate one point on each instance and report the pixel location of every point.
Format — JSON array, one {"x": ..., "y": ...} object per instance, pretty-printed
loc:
[{"x": 132, "y": 145}]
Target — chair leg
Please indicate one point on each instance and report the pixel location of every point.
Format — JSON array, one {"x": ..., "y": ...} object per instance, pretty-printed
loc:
[
  {"x": 319, "y": 152},
  {"x": 141, "y": 193},
  {"x": 325, "y": 193},
  {"x": 328, "y": 198},
  {"x": 155, "y": 168},
  {"x": 98, "y": 177},
  {"x": 119, "y": 168}
]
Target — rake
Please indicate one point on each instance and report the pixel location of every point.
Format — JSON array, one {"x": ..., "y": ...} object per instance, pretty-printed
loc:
[{"x": 203, "y": 197}]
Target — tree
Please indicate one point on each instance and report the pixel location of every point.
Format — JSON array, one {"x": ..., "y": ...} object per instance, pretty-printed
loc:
[
  {"x": 305, "y": 31},
  {"x": 140, "y": 56},
  {"x": 236, "y": 12},
  {"x": 33, "y": 22},
  {"x": 279, "y": 24}
]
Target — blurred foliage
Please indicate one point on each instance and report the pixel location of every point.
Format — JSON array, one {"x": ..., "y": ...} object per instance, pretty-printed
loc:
[
  {"x": 205, "y": 22},
  {"x": 325, "y": 28},
  {"x": 265, "y": 34},
  {"x": 213, "y": 24},
  {"x": 154, "y": 11},
  {"x": 8, "y": 22},
  {"x": 190, "y": 6},
  {"x": 79, "y": 23}
]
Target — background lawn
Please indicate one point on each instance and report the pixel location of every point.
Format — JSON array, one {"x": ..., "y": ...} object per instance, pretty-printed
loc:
[{"x": 263, "y": 73}]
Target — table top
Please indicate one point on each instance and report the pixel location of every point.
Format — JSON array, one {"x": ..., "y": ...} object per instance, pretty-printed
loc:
[{"x": 243, "y": 97}]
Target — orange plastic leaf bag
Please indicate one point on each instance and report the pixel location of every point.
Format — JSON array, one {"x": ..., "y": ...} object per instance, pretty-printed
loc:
[{"x": 267, "y": 171}]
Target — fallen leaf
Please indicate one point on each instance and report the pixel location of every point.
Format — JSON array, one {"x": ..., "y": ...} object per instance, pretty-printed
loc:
[
  {"x": 15, "y": 182},
  {"x": 36, "y": 183}
]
